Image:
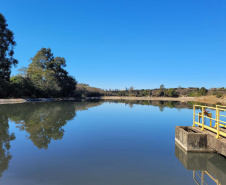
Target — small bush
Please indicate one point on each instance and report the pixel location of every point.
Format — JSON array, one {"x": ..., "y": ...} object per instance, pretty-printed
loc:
[
  {"x": 219, "y": 95},
  {"x": 202, "y": 92},
  {"x": 191, "y": 94}
]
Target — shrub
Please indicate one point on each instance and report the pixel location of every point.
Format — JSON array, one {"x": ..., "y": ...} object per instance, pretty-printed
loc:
[
  {"x": 202, "y": 92},
  {"x": 172, "y": 93},
  {"x": 191, "y": 94},
  {"x": 219, "y": 95}
]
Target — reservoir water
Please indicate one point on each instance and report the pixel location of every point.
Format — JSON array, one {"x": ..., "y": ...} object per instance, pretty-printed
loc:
[{"x": 101, "y": 143}]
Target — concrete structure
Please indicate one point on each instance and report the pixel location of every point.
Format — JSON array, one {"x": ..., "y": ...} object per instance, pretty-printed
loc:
[{"x": 193, "y": 139}]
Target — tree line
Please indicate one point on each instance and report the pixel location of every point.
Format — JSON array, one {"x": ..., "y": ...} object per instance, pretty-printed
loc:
[
  {"x": 169, "y": 92},
  {"x": 44, "y": 77}
]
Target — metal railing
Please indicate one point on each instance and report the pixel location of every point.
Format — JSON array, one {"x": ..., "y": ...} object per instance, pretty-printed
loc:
[
  {"x": 205, "y": 114},
  {"x": 202, "y": 177}
]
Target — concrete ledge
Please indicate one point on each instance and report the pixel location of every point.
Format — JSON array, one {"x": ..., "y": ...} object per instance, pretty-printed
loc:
[
  {"x": 219, "y": 145},
  {"x": 191, "y": 140}
]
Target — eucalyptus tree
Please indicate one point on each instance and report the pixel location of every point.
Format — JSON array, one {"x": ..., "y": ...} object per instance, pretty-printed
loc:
[
  {"x": 48, "y": 75},
  {"x": 7, "y": 44}
]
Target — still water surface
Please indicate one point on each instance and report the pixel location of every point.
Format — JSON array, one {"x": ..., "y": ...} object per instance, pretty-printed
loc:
[{"x": 100, "y": 143}]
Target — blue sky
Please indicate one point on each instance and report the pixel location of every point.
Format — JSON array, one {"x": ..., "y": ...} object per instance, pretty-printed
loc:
[{"x": 123, "y": 43}]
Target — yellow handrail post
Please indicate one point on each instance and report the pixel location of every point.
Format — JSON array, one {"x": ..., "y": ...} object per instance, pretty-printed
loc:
[
  {"x": 193, "y": 116},
  {"x": 216, "y": 119},
  {"x": 210, "y": 114},
  {"x": 202, "y": 118},
  {"x": 202, "y": 177},
  {"x": 217, "y": 122}
]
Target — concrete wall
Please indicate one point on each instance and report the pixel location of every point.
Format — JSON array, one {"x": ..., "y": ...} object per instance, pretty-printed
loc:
[
  {"x": 218, "y": 145},
  {"x": 191, "y": 140}
]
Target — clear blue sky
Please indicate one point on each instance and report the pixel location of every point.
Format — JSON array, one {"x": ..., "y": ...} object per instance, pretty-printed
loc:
[{"x": 123, "y": 43}]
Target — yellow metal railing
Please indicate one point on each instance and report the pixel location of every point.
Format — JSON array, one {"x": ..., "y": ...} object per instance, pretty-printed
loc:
[
  {"x": 204, "y": 114},
  {"x": 202, "y": 177}
]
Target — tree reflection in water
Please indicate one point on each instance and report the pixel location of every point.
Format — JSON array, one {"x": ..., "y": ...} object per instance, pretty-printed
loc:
[
  {"x": 5, "y": 138},
  {"x": 159, "y": 103},
  {"x": 44, "y": 121}
]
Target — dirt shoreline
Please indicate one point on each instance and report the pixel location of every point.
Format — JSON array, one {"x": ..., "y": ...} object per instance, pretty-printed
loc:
[
  {"x": 204, "y": 99},
  {"x": 21, "y": 100}
]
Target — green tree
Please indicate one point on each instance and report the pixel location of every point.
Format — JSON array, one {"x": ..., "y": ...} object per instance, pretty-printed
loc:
[
  {"x": 48, "y": 75},
  {"x": 172, "y": 93},
  {"x": 162, "y": 87},
  {"x": 161, "y": 90},
  {"x": 7, "y": 44},
  {"x": 4, "y": 88},
  {"x": 202, "y": 92},
  {"x": 40, "y": 73},
  {"x": 21, "y": 86},
  {"x": 66, "y": 83}
]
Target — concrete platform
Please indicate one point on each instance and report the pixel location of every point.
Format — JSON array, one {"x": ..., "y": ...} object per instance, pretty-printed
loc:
[{"x": 193, "y": 139}]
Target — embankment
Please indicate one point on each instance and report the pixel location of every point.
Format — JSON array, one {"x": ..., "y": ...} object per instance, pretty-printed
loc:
[{"x": 203, "y": 99}]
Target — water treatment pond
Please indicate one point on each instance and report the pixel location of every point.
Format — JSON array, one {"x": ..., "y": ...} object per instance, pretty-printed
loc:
[{"x": 100, "y": 143}]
